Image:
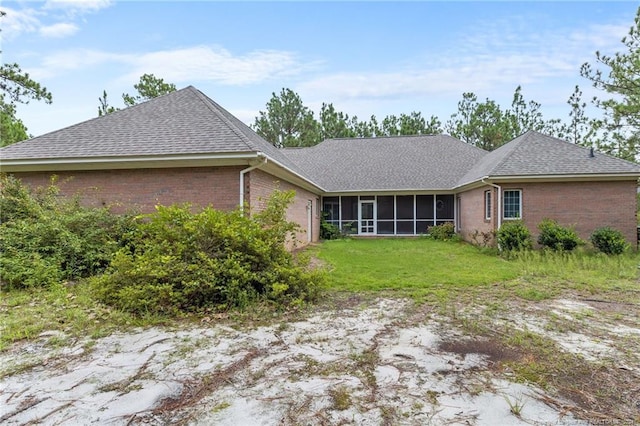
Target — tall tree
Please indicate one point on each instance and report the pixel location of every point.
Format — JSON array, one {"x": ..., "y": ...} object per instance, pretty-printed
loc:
[
  {"x": 482, "y": 124},
  {"x": 366, "y": 129},
  {"x": 409, "y": 124},
  {"x": 336, "y": 124},
  {"x": 12, "y": 129},
  {"x": 619, "y": 77},
  {"x": 104, "y": 108},
  {"x": 287, "y": 122},
  {"x": 580, "y": 128},
  {"x": 148, "y": 87},
  {"x": 16, "y": 86},
  {"x": 524, "y": 115}
]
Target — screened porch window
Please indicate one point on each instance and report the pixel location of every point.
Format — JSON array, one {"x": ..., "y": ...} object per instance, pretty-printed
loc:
[
  {"x": 386, "y": 215},
  {"x": 404, "y": 211},
  {"x": 392, "y": 214},
  {"x": 349, "y": 218},
  {"x": 331, "y": 209}
]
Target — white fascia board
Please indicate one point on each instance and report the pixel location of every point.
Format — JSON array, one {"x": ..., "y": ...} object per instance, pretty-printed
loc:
[
  {"x": 129, "y": 162},
  {"x": 577, "y": 177},
  {"x": 595, "y": 177},
  {"x": 420, "y": 191},
  {"x": 291, "y": 176}
]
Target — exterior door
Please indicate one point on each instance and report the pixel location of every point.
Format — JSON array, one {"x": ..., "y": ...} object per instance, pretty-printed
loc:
[
  {"x": 367, "y": 214},
  {"x": 309, "y": 221}
]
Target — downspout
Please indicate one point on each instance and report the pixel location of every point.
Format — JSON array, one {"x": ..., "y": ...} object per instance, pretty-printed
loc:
[
  {"x": 262, "y": 161},
  {"x": 499, "y": 200}
]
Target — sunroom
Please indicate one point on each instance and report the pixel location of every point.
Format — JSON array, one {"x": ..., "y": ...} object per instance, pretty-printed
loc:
[{"x": 387, "y": 215}]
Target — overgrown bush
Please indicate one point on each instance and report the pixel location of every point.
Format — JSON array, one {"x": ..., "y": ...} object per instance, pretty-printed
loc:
[
  {"x": 329, "y": 231},
  {"x": 183, "y": 261},
  {"x": 45, "y": 239},
  {"x": 483, "y": 238},
  {"x": 557, "y": 237},
  {"x": 609, "y": 241},
  {"x": 444, "y": 232},
  {"x": 513, "y": 235}
]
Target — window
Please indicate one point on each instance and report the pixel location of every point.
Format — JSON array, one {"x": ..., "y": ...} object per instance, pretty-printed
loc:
[
  {"x": 512, "y": 204},
  {"x": 487, "y": 205},
  {"x": 331, "y": 209},
  {"x": 385, "y": 213}
]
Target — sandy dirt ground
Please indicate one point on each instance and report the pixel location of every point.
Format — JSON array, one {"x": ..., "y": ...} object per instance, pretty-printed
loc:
[{"x": 358, "y": 362}]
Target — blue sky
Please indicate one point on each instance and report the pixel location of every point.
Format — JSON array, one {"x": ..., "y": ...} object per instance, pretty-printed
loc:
[{"x": 365, "y": 57}]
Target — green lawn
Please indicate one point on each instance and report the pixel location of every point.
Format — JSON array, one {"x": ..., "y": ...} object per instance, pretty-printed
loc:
[
  {"x": 412, "y": 265},
  {"x": 420, "y": 266}
]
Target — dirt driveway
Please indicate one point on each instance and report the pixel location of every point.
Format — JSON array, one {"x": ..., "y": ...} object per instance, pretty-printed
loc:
[{"x": 354, "y": 361}]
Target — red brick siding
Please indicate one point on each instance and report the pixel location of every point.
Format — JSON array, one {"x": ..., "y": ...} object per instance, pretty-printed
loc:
[
  {"x": 472, "y": 215},
  {"x": 258, "y": 187},
  {"x": 146, "y": 188},
  {"x": 585, "y": 205}
]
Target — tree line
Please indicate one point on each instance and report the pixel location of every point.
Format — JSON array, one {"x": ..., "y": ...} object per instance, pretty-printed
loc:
[{"x": 287, "y": 122}]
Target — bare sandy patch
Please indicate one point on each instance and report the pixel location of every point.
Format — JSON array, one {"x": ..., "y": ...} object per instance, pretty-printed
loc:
[{"x": 362, "y": 362}]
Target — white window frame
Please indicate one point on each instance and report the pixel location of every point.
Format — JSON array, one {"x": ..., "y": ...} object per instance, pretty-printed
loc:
[
  {"x": 488, "y": 208},
  {"x": 504, "y": 197}
]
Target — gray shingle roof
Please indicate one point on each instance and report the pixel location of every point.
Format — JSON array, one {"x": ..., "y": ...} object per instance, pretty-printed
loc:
[
  {"x": 535, "y": 154},
  {"x": 188, "y": 122},
  {"x": 387, "y": 163},
  {"x": 183, "y": 122}
]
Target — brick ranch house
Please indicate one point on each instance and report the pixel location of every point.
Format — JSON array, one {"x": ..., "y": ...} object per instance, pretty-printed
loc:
[{"x": 183, "y": 147}]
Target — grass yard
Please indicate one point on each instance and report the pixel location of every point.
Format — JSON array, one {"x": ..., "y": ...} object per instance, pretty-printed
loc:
[
  {"x": 414, "y": 266},
  {"x": 420, "y": 267}
]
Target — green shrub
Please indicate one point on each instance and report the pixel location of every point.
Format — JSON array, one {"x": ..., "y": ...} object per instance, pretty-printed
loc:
[
  {"x": 513, "y": 235},
  {"x": 18, "y": 202},
  {"x": 444, "y": 232},
  {"x": 609, "y": 241},
  {"x": 45, "y": 239},
  {"x": 557, "y": 237},
  {"x": 329, "y": 231},
  {"x": 182, "y": 261}
]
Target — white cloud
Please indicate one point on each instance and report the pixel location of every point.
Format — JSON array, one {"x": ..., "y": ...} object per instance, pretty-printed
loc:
[
  {"x": 16, "y": 22},
  {"x": 77, "y": 59},
  {"x": 30, "y": 19},
  {"x": 77, "y": 6},
  {"x": 205, "y": 63},
  {"x": 200, "y": 63},
  {"x": 490, "y": 61},
  {"x": 600, "y": 36},
  {"x": 59, "y": 30}
]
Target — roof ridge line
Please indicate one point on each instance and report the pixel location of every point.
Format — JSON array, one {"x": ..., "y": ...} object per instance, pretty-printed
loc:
[
  {"x": 508, "y": 154},
  {"x": 210, "y": 104}
]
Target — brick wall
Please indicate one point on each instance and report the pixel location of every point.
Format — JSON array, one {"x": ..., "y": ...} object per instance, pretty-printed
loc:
[
  {"x": 145, "y": 188},
  {"x": 471, "y": 212},
  {"x": 585, "y": 205},
  {"x": 258, "y": 187}
]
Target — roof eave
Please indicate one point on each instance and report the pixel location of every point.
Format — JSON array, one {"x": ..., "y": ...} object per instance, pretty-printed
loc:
[
  {"x": 126, "y": 162},
  {"x": 572, "y": 177},
  {"x": 576, "y": 177},
  {"x": 402, "y": 191},
  {"x": 284, "y": 172}
]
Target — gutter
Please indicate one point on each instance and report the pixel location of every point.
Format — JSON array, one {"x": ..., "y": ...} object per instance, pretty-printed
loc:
[
  {"x": 499, "y": 200},
  {"x": 262, "y": 161},
  {"x": 118, "y": 162}
]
